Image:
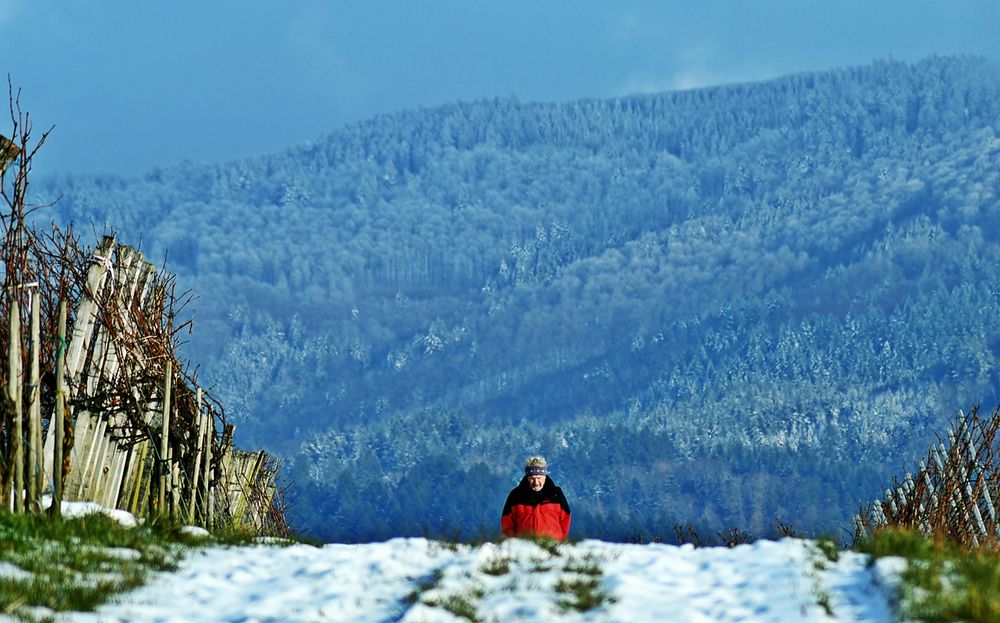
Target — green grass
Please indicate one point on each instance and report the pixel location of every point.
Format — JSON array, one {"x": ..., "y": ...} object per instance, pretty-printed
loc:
[
  {"x": 459, "y": 604},
  {"x": 942, "y": 582},
  {"x": 829, "y": 547},
  {"x": 425, "y": 584},
  {"x": 581, "y": 593},
  {"x": 826, "y": 553},
  {"x": 823, "y": 599},
  {"x": 552, "y": 546},
  {"x": 76, "y": 564},
  {"x": 581, "y": 589},
  {"x": 590, "y": 564},
  {"x": 497, "y": 565}
]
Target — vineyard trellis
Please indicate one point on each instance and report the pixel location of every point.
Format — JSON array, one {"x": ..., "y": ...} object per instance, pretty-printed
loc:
[
  {"x": 96, "y": 403},
  {"x": 955, "y": 491}
]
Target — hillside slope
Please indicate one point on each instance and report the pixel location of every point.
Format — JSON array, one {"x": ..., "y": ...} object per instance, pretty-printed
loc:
[{"x": 682, "y": 299}]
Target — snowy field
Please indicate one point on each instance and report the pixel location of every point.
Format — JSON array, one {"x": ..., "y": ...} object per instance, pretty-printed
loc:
[{"x": 416, "y": 580}]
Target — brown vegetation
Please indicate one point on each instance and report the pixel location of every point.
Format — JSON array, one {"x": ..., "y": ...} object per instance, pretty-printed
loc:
[
  {"x": 93, "y": 336},
  {"x": 953, "y": 494}
]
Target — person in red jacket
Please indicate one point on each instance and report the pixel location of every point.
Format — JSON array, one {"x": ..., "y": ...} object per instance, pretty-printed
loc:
[{"x": 536, "y": 507}]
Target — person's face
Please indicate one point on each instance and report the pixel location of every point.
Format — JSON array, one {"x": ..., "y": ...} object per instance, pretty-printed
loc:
[{"x": 536, "y": 482}]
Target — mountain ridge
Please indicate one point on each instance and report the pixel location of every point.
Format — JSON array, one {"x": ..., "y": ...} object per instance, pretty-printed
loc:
[{"x": 749, "y": 272}]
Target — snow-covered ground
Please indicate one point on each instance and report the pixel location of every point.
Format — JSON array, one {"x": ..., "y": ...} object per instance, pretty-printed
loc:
[
  {"x": 416, "y": 580},
  {"x": 421, "y": 581}
]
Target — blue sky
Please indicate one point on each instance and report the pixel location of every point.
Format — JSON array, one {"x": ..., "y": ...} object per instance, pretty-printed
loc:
[{"x": 131, "y": 85}]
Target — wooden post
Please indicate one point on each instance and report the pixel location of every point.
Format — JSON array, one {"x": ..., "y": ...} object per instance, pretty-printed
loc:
[
  {"x": 929, "y": 485},
  {"x": 14, "y": 390},
  {"x": 35, "y": 483},
  {"x": 138, "y": 484},
  {"x": 209, "y": 438},
  {"x": 96, "y": 476},
  {"x": 878, "y": 514},
  {"x": 227, "y": 477},
  {"x": 251, "y": 470},
  {"x": 75, "y": 352},
  {"x": 80, "y": 450},
  {"x": 165, "y": 438},
  {"x": 57, "y": 461},
  {"x": 967, "y": 453},
  {"x": 93, "y": 450},
  {"x": 87, "y": 311},
  {"x": 170, "y": 480},
  {"x": 147, "y": 493},
  {"x": 112, "y": 484},
  {"x": 196, "y": 472},
  {"x": 175, "y": 484}
]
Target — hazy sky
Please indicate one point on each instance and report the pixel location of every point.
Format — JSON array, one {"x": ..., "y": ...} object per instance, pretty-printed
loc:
[{"x": 133, "y": 84}]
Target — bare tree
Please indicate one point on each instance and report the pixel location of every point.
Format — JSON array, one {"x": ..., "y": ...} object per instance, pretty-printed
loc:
[
  {"x": 127, "y": 329},
  {"x": 27, "y": 261}
]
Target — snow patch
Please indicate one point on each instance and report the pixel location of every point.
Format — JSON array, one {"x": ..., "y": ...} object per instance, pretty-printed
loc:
[
  {"x": 80, "y": 509},
  {"x": 421, "y": 581},
  {"x": 195, "y": 531},
  {"x": 9, "y": 570}
]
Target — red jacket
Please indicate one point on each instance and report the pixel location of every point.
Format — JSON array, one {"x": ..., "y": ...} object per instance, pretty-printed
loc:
[{"x": 542, "y": 513}]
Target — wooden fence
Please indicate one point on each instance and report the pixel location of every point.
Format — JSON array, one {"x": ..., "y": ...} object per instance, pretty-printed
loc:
[
  {"x": 126, "y": 426},
  {"x": 954, "y": 492}
]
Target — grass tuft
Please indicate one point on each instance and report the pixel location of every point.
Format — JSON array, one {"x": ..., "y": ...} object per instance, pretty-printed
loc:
[
  {"x": 942, "y": 582},
  {"x": 581, "y": 589},
  {"x": 829, "y": 548},
  {"x": 497, "y": 565},
  {"x": 582, "y": 593},
  {"x": 75, "y": 564},
  {"x": 551, "y": 546},
  {"x": 823, "y": 599},
  {"x": 462, "y": 605},
  {"x": 590, "y": 564},
  {"x": 425, "y": 584},
  {"x": 78, "y": 563}
]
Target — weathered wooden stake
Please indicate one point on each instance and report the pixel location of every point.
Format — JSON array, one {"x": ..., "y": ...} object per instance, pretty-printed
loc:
[
  {"x": 879, "y": 514},
  {"x": 931, "y": 490},
  {"x": 101, "y": 452},
  {"x": 35, "y": 409},
  {"x": 165, "y": 437},
  {"x": 228, "y": 479},
  {"x": 138, "y": 485},
  {"x": 116, "y": 482},
  {"x": 209, "y": 438},
  {"x": 175, "y": 484},
  {"x": 57, "y": 461},
  {"x": 15, "y": 381},
  {"x": 172, "y": 508},
  {"x": 250, "y": 470},
  {"x": 196, "y": 471},
  {"x": 86, "y": 315},
  {"x": 93, "y": 450}
]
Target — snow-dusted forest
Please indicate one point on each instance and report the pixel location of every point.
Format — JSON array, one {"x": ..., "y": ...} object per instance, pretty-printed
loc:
[{"x": 723, "y": 306}]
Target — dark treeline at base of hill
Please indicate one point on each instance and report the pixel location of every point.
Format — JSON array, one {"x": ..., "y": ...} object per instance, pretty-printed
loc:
[{"x": 723, "y": 306}]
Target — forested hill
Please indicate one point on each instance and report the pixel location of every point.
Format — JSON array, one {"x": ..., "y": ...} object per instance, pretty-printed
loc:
[{"x": 722, "y": 306}]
